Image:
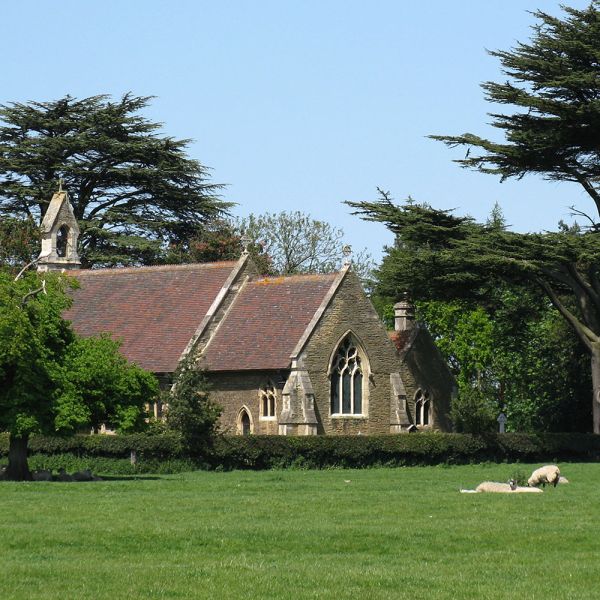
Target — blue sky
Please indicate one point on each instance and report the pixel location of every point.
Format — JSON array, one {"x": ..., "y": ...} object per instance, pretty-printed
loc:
[{"x": 298, "y": 105}]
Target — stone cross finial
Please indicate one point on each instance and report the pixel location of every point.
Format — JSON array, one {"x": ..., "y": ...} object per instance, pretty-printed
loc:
[{"x": 60, "y": 184}]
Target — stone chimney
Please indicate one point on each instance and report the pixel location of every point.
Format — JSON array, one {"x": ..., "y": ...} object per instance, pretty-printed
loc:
[
  {"x": 60, "y": 233},
  {"x": 404, "y": 315}
]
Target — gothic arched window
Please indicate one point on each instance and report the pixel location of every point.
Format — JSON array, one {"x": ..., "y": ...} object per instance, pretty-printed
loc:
[
  {"x": 244, "y": 422},
  {"x": 347, "y": 380},
  {"x": 422, "y": 407},
  {"x": 267, "y": 401},
  {"x": 62, "y": 241}
]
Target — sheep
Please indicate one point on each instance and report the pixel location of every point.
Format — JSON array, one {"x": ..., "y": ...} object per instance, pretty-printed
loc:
[
  {"x": 495, "y": 487},
  {"x": 544, "y": 475},
  {"x": 500, "y": 488},
  {"x": 524, "y": 490},
  {"x": 492, "y": 486}
]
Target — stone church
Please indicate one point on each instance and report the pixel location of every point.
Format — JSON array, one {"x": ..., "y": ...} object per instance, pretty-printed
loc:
[{"x": 296, "y": 355}]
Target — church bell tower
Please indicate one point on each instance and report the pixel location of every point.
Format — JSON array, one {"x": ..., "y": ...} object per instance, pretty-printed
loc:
[{"x": 60, "y": 233}]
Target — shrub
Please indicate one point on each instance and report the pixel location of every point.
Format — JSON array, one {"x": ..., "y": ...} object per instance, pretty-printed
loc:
[{"x": 167, "y": 453}]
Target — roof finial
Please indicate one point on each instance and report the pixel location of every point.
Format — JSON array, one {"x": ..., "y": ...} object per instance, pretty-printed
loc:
[
  {"x": 347, "y": 252},
  {"x": 60, "y": 184},
  {"x": 245, "y": 240}
]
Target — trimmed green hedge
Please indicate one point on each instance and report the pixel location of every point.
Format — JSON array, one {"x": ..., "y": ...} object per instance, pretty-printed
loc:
[
  {"x": 264, "y": 452},
  {"x": 164, "y": 453},
  {"x": 152, "y": 446}
]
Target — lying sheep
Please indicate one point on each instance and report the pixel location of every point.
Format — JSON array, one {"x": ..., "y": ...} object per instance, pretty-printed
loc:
[
  {"x": 544, "y": 475},
  {"x": 500, "y": 488}
]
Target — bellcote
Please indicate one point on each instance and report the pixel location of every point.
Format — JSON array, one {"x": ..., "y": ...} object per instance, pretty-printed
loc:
[{"x": 60, "y": 232}]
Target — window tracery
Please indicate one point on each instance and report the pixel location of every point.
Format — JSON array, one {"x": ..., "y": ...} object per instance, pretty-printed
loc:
[
  {"x": 422, "y": 407},
  {"x": 268, "y": 398},
  {"x": 347, "y": 380}
]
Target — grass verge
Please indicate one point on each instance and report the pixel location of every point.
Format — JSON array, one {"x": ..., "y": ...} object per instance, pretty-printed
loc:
[{"x": 375, "y": 533}]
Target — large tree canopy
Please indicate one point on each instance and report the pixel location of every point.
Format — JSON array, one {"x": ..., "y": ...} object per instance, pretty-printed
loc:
[
  {"x": 288, "y": 243},
  {"x": 438, "y": 255},
  {"x": 553, "y": 85},
  {"x": 50, "y": 380},
  {"x": 133, "y": 190}
]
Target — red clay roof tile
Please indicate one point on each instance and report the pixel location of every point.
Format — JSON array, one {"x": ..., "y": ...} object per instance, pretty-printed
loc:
[
  {"x": 154, "y": 311},
  {"x": 265, "y": 322}
]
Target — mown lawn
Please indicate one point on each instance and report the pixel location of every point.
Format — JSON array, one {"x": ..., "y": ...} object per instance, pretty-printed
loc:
[{"x": 379, "y": 533}]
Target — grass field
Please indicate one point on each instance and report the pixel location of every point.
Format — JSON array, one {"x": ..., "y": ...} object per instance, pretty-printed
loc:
[{"x": 379, "y": 533}]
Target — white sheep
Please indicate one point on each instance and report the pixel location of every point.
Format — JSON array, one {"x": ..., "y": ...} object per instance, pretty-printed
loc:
[
  {"x": 544, "y": 475},
  {"x": 500, "y": 488},
  {"x": 525, "y": 490}
]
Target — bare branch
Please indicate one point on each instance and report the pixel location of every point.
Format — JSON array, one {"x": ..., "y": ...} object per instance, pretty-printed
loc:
[
  {"x": 30, "y": 264},
  {"x": 575, "y": 212},
  {"x": 33, "y": 293},
  {"x": 585, "y": 334}
]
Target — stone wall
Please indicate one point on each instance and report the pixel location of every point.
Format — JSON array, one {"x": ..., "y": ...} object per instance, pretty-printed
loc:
[
  {"x": 235, "y": 390},
  {"x": 424, "y": 368},
  {"x": 351, "y": 310}
]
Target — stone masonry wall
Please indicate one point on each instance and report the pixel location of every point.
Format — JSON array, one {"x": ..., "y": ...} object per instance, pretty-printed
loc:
[
  {"x": 234, "y": 390},
  {"x": 351, "y": 310},
  {"x": 423, "y": 367}
]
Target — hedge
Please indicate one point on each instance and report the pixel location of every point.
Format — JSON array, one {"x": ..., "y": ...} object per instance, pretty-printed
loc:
[
  {"x": 165, "y": 453},
  {"x": 119, "y": 446},
  {"x": 264, "y": 452}
]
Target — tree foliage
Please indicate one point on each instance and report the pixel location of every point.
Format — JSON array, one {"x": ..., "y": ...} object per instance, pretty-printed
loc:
[
  {"x": 554, "y": 86},
  {"x": 50, "y": 380},
  {"x": 134, "y": 191},
  {"x": 19, "y": 241},
  {"x": 191, "y": 411},
  {"x": 516, "y": 355},
  {"x": 293, "y": 242},
  {"x": 440, "y": 256}
]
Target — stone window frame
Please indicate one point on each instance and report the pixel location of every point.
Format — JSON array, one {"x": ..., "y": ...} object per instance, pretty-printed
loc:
[
  {"x": 238, "y": 420},
  {"x": 365, "y": 372},
  {"x": 423, "y": 405},
  {"x": 267, "y": 399}
]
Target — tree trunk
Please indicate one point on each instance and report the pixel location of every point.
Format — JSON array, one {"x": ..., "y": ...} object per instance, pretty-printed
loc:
[
  {"x": 596, "y": 387},
  {"x": 18, "y": 469}
]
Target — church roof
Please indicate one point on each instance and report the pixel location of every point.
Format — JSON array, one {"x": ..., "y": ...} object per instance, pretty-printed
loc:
[
  {"x": 403, "y": 340},
  {"x": 265, "y": 322},
  {"x": 154, "y": 311}
]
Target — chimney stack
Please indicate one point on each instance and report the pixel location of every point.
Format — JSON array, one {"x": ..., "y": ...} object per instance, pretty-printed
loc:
[{"x": 404, "y": 315}]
